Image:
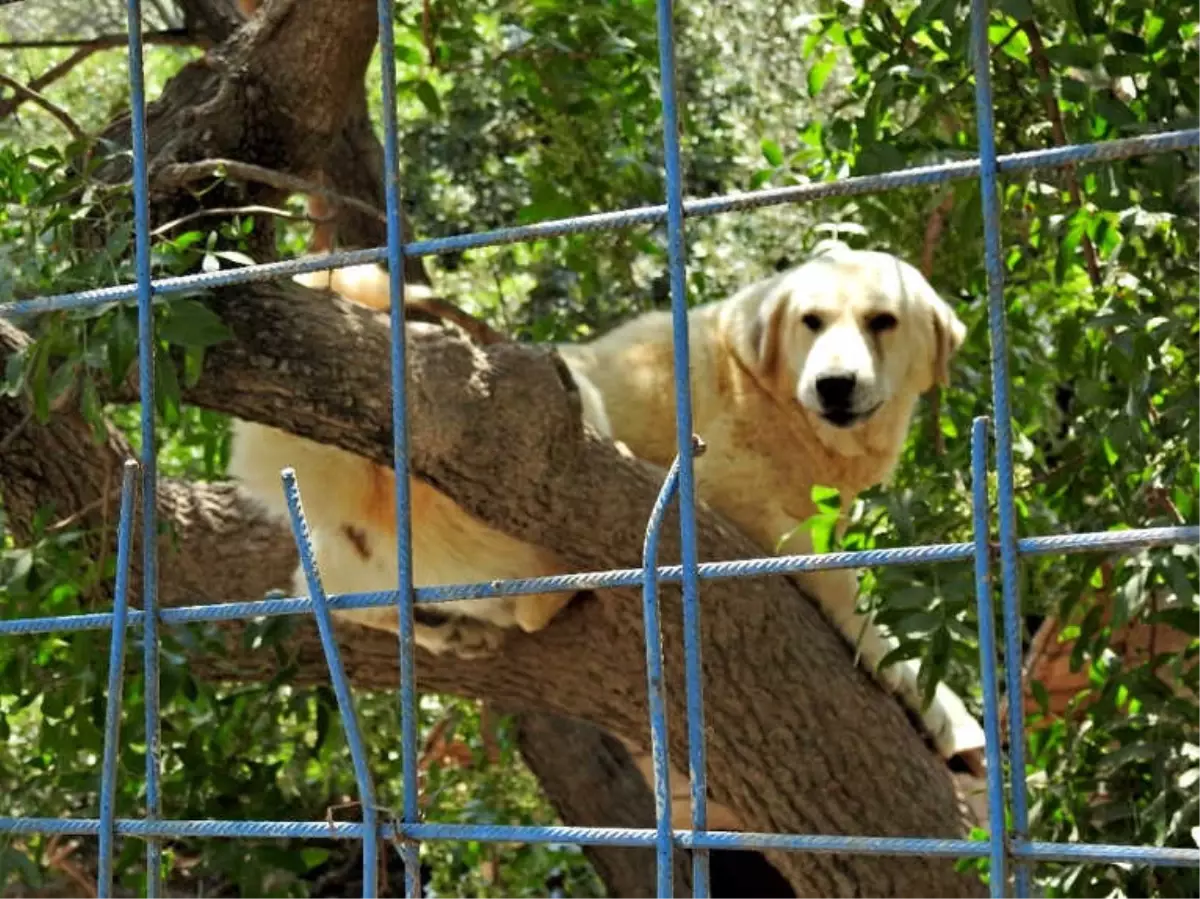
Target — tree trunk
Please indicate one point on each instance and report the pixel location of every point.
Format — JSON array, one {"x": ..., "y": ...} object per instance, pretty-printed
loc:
[
  {"x": 591, "y": 780},
  {"x": 837, "y": 756}
]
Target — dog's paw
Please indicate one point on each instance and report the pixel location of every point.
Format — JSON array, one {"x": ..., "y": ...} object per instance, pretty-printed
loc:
[
  {"x": 465, "y": 638},
  {"x": 473, "y": 639}
]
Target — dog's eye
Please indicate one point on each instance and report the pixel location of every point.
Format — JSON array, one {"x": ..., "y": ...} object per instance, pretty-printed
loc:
[
  {"x": 812, "y": 321},
  {"x": 884, "y": 321}
]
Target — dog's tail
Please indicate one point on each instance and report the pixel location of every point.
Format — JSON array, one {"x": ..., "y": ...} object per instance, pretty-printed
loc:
[{"x": 366, "y": 284}]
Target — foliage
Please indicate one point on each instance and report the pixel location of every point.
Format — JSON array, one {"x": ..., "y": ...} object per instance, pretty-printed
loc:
[{"x": 522, "y": 111}]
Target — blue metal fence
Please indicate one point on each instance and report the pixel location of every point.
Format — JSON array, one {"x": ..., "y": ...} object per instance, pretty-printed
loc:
[{"x": 1009, "y": 846}]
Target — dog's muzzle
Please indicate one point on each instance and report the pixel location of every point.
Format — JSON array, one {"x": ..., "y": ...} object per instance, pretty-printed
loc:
[{"x": 836, "y": 393}]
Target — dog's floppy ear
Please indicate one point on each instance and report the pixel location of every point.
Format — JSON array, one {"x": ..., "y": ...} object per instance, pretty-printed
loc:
[
  {"x": 948, "y": 335},
  {"x": 945, "y": 333},
  {"x": 765, "y": 334}
]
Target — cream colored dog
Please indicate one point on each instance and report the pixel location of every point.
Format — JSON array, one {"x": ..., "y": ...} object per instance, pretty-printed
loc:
[
  {"x": 806, "y": 378},
  {"x": 809, "y": 377}
]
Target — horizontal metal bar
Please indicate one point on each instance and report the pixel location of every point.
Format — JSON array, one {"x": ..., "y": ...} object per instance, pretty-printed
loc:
[
  {"x": 1097, "y": 541},
  {"x": 603, "y": 836},
  {"x": 920, "y": 176},
  {"x": 935, "y": 553},
  {"x": 1100, "y": 852},
  {"x": 709, "y": 839}
]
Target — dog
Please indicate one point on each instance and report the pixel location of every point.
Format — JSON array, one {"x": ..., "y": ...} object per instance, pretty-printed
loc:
[
  {"x": 806, "y": 378},
  {"x": 350, "y": 504},
  {"x": 809, "y": 377}
]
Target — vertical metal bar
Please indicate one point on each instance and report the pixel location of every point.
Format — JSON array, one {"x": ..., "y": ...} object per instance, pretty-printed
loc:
[
  {"x": 656, "y": 685},
  {"x": 987, "y": 657},
  {"x": 146, "y": 348},
  {"x": 341, "y": 688},
  {"x": 683, "y": 426},
  {"x": 1002, "y": 408},
  {"x": 116, "y": 683},
  {"x": 395, "y": 246}
]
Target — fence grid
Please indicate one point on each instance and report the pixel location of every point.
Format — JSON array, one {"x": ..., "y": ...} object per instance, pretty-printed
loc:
[{"x": 1008, "y": 847}]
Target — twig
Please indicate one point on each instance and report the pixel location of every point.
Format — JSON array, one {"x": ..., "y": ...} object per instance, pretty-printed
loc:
[
  {"x": 49, "y": 105},
  {"x": 48, "y": 77},
  {"x": 435, "y": 741},
  {"x": 933, "y": 234},
  {"x": 74, "y": 517},
  {"x": 16, "y": 431},
  {"x": 59, "y": 859},
  {"x": 489, "y": 727},
  {"x": 176, "y": 37},
  {"x": 1041, "y": 64},
  {"x": 180, "y": 173},
  {"x": 231, "y": 210},
  {"x": 427, "y": 32},
  {"x": 519, "y": 53}
]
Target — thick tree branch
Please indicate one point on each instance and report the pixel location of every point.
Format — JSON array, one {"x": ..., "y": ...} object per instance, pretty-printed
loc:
[
  {"x": 598, "y": 787},
  {"x": 801, "y": 740},
  {"x": 257, "y": 98}
]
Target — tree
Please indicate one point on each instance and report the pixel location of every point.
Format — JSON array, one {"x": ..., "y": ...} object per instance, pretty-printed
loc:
[{"x": 214, "y": 108}]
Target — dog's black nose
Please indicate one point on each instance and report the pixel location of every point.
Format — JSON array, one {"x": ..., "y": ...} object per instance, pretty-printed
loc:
[{"x": 836, "y": 391}]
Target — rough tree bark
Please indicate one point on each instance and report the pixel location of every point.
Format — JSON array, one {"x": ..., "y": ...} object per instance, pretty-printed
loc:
[
  {"x": 797, "y": 733},
  {"x": 800, "y": 739}
]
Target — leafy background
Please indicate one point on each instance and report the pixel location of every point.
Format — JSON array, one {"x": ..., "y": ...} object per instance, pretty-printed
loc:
[{"x": 523, "y": 110}]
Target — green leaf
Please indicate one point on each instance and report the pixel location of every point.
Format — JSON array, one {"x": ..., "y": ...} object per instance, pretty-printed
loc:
[
  {"x": 909, "y": 649},
  {"x": 14, "y": 374},
  {"x": 771, "y": 152},
  {"x": 826, "y": 498},
  {"x": 428, "y": 96},
  {"x": 166, "y": 388},
  {"x": 820, "y": 72},
  {"x": 1021, "y": 10},
  {"x": 822, "y": 529},
  {"x": 21, "y": 561},
  {"x": 62, "y": 380},
  {"x": 313, "y": 857},
  {"x": 1110, "y": 452},
  {"x": 192, "y": 324},
  {"x": 1127, "y": 42},
  {"x": 122, "y": 343}
]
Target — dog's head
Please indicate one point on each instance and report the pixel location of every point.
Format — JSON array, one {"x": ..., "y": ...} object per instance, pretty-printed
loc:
[{"x": 849, "y": 332}]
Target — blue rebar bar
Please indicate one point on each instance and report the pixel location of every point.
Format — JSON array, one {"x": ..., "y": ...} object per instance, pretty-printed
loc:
[
  {"x": 146, "y": 350},
  {"x": 987, "y": 659},
  {"x": 1002, "y": 410},
  {"x": 939, "y": 553},
  {"x": 341, "y": 686},
  {"x": 395, "y": 257},
  {"x": 676, "y": 265},
  {"x": 605, "y": 836},
  {"x": 116, "y": 683},
  {"x": 917, "y": 176},
  {"x": 656, "y": 688}
]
